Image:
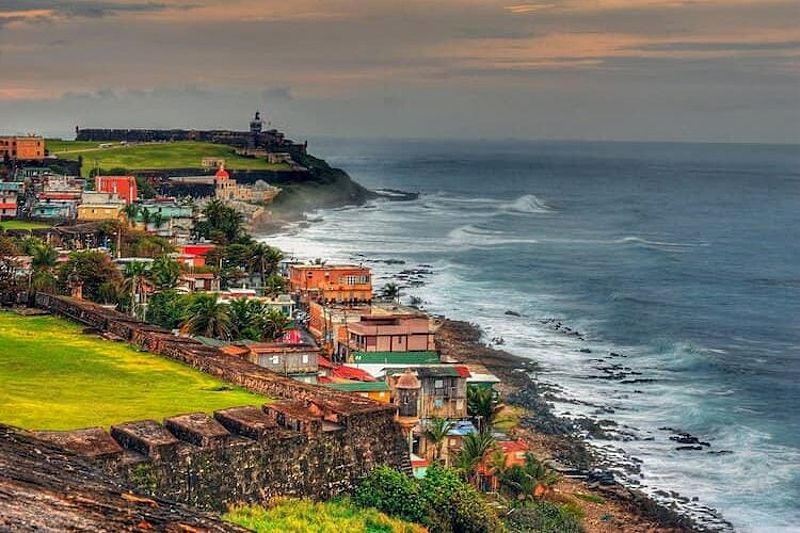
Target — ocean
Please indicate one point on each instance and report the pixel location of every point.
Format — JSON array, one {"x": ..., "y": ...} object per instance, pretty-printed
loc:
[{"x": 677, "y": 264}]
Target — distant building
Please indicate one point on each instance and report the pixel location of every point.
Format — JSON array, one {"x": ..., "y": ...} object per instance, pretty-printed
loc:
[
  {"x": 443, "y": 392},
  {"x": 298, "y": 361},
  {"x": 26, "y": 148},
  {"x": 100, "y": 206},
  {"x": 124, "y": 187},
  {"x": 212, "y": 162},
  {"x": 391, "y": 333},
  {"x": 9, "y": 192},
  {"x": 331, "y": 283}
]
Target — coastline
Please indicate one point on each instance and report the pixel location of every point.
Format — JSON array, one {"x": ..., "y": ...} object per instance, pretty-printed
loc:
[
  {"x": 557, "y": 439},
  {"x": 562, "y": 441}
]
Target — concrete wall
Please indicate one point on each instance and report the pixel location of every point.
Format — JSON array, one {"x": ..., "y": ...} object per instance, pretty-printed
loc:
[{"x": 317, "y": 443}]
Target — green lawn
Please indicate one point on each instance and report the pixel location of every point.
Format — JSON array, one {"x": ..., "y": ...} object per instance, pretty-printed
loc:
[
  {"x": 181, "y": 154},
  {"x": 54, "y": 377},
  {"x": 22, "y": 224}
]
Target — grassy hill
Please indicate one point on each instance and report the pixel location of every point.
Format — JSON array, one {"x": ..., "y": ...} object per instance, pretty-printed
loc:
[
  {"x": 180, "y": 154},
  {"x": 66, "y": 380}
]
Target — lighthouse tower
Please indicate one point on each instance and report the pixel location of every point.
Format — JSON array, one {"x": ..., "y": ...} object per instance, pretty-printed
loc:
[{"x": 256, "y": 125}]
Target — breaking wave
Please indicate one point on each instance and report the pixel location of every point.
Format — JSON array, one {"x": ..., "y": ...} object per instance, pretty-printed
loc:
[{"x": 527, "y": 204}]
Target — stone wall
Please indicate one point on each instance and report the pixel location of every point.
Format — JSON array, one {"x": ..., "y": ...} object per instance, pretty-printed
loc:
[{"x": 313, "y": 442}]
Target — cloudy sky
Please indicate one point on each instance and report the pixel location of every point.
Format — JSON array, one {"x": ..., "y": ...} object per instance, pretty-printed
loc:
[{"x": 708, "y": 70}]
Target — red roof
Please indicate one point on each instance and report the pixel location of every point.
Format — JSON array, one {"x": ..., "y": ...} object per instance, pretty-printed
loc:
[
  {"x": 10, "y": 205},
  {"x": 222, "y": 174},
  {"x": 349, "y": 372},
  {"x": 324, "y": 379},
  {"x": 197, "y": 249},
  {"x": 463, "y": 371},
  {"x": 513, "y": 446},
  {"x": 324, "y": 362}
]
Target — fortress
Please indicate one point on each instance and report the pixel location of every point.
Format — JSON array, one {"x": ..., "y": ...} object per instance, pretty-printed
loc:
[
  {"x": 313, "y": 442},
  {"x": 256, "y": 138}
]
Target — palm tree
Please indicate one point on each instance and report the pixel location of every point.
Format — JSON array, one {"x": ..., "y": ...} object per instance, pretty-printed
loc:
[
  {"x": 136, "y": 285},
  {"x": 436, "y": 432},
  {"x": 391, "y": 292},
  {"x": 164, "y": 273},
  {"x": 207, "y": 317},
  {"x": 263, "y": 259},
  {"x": 482, "y": 406},
  {"x": 274, "y": 286},
  {"x": 147, "y": 217},
  {"x": 497, "y": 466},
  {"x": 272, "y": 324},
  {"x": 158, "y": 220},
  {"x": 474, "y": 449},
  {"x": 131, "y": 210},
  {"x": 533, "y": 479},
  {"x": 44, "y": 256}
]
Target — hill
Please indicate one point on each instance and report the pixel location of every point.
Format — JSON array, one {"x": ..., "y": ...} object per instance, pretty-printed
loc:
[{"x": 132, "y": 157}]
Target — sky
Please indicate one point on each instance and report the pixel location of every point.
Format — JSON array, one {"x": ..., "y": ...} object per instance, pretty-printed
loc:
[{"x": 660, "y": 70}]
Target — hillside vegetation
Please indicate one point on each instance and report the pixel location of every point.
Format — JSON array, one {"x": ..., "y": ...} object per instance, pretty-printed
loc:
[
  {"x": 179, "y": 154},
  {"x": 54, "y": 377},
  {"x": 301, "y": 516}
]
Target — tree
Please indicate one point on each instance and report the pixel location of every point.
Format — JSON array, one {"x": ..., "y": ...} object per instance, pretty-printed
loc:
[
  {"x": 243, "y": 315},
  {"x": 436, "y": 432},
  {"x": 146, "y": 217},
  {"x": 474, "y": 449},
  {"x": 274, "y": 286},
  {"x": 483, "y": 407},
  {"x": 164, "y": 273},
  {"x": 135, "y": 285},
  {"x": 222, "y": 224},
  {"x": 264, "y": 260},
  {"x": 8, "y": 264},
  {"x": 44, "y": 256},
  {"x": 272, "y": 324},
  {"x": 91, "y": 269},
  {"x": 391, "y": 292},
  {"x": 158, "y": 220},
  {"x": 455, "y": 506},
  {"x": 530, "y": 480},
  {"x": 207, "y": 317},
  {"x": 167, "y": 309},
  {"x": 131, "y": 211}
]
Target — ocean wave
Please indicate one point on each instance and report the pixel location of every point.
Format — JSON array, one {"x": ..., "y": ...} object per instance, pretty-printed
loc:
[
  {"x": 527, "y": 204},
  {"x": 474, "y": 237},
  {"x": 639, "y": 240}
]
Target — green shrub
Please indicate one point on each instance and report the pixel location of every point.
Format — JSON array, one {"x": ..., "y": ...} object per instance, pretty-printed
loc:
[
  {"x": 455, "y": 505},
  {"x": 544, "y": 517},
  {"x": 391, "y": 492}
]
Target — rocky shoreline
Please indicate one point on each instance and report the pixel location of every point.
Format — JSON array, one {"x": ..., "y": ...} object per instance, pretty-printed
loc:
[{"x": 559, "y": 439}]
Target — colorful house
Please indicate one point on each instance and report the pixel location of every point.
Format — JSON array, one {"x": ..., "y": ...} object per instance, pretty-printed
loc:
[
  {"x": 391, "y": 333},
  {"x": 443, "y": 392},
  {"x": 28, "y": 147},
  {"x": 374, "y": 390},
  {"x": 123, "y": 187},
  {"x": 8, "y": 198},
  {"x": 331, "y": 283}
]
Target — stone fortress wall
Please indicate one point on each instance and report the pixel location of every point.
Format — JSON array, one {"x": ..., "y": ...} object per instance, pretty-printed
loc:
[{"x": 311, "y": 442}]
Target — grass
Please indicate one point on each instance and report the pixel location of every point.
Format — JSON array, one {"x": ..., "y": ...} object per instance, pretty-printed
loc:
[
  {"x": 291, "y": 515},
  {"x": 592, "y": 498},
  {"x": 180, "y": 154},
  {"x": 54, "y": 377},
  {"x": 22, "y": 224}
]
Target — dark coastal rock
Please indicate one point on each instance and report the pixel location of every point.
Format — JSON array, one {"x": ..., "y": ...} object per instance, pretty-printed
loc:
[
  {"x": 688, "y": 448},
  {"x": 585, "y": 350},
  {"x": 512, "y": 313}
]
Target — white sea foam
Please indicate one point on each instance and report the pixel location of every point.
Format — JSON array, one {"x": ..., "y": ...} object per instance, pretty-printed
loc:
[{"x": 527, "y": 204}]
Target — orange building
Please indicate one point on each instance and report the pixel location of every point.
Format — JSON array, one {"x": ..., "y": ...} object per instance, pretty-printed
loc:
[
  {"x": 331, "y": 283},
  {"x": 124, "y": 187},
  {"x": 27, "y": 147}
]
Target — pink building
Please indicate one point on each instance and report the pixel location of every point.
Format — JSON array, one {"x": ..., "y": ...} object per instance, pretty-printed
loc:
[{"x": 391, "y": 333}]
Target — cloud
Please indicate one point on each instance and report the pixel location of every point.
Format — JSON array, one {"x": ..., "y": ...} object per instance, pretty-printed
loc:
[
  {"x": 715, "y": 46},
  {"x": 35, "y": 10},
  {"x": 278, "y": 93}
]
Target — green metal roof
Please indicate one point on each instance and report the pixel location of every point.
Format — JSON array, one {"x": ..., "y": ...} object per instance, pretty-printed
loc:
[
  {"x": 360, "y": 386},
  {"x": 444, "y": 371},
  {"x": 396, "y": 358}
]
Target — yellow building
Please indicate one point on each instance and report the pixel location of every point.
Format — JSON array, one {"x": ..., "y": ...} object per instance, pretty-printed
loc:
[{"x": 100, "y": 212}]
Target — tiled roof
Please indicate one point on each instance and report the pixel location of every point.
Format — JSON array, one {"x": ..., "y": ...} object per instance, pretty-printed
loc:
[
  {"x": 396, "y": 358},
  {"x": 359, "y": 386},
  {"x": 349, "y": 372}
]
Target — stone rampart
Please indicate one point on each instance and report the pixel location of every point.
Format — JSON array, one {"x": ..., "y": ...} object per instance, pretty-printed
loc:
[{"x": 313, "y": 442}]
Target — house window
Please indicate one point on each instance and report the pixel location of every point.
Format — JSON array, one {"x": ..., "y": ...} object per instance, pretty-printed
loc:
[
  {"x": 275, "y": 359},
  {"x": 438, "y": 403},
  {"x": 305, "y": 358},
  {"x": 438, "y": 384}
]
